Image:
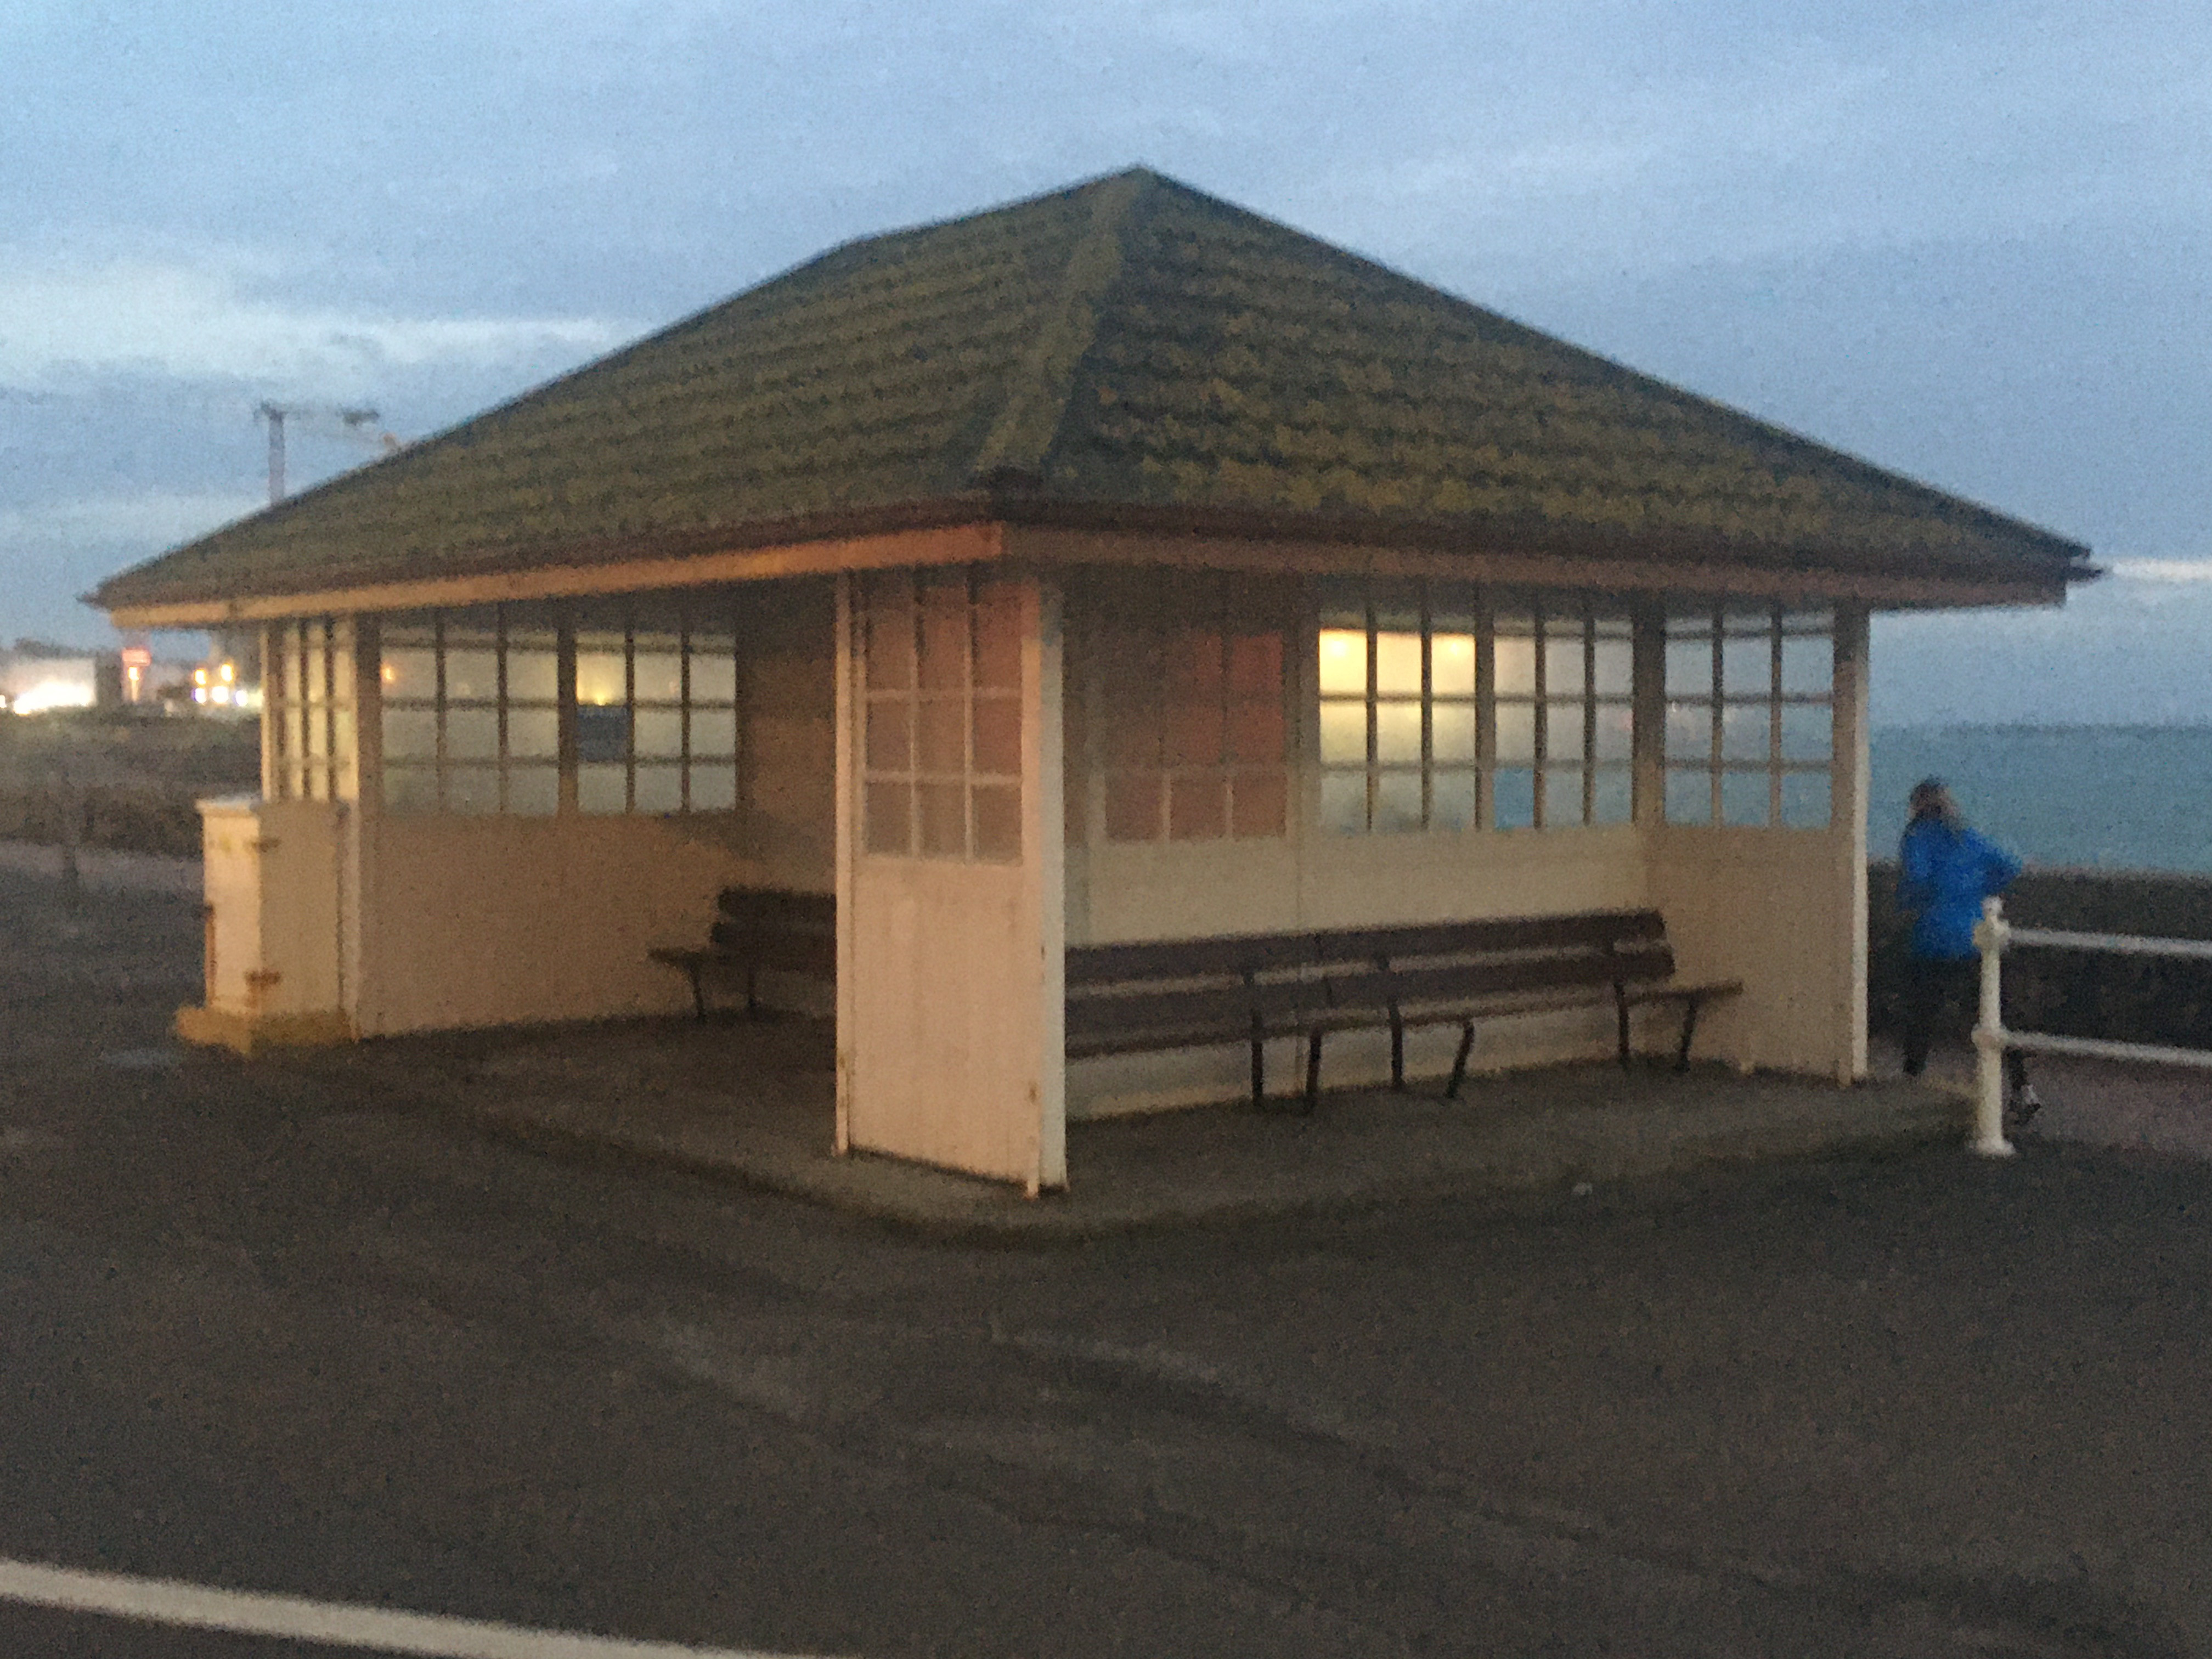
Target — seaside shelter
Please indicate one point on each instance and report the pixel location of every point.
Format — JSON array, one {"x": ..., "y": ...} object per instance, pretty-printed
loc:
[{"x": 1117, "y": 566}]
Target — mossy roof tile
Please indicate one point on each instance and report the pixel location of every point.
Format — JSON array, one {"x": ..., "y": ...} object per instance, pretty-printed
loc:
[{"x": 1128, "y": 343}]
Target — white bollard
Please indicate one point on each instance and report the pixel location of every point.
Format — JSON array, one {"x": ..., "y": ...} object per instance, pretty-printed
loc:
[{"x": 1991, "y": 937}]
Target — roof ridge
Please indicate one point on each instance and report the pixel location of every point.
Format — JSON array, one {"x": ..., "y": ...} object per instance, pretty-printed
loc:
[{"x": 1014, "y": 451}]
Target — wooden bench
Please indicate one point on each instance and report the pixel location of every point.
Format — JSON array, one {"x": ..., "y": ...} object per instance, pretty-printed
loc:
[
  {"x": 760, "y": 929},
  {"x": 1461, "y": 973},
  {"x": 1127, "y": 999}
]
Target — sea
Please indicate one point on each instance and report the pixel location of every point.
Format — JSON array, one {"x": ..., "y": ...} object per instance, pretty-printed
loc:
[{"x": 2116, "y": 797}]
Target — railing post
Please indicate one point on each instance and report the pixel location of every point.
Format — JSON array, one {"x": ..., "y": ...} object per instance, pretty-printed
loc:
[{"x": 1990, "y": 937}]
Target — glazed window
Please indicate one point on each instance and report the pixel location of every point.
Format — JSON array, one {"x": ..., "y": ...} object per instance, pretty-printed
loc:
[
  {"x": 308, "y": 674},
  {"x": 1750, "y": 717},
  {"x": 1439, "y": 715},
  {"x": 1195, "y": 735},
  {"x": 941, "y": 677}
]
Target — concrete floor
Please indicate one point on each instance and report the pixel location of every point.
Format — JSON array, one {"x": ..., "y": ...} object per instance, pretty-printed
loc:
[{"x": 752, "y": 1101}]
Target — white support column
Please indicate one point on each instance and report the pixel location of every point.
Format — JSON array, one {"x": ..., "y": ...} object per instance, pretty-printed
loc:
[{"x": 1848, "y": 791}]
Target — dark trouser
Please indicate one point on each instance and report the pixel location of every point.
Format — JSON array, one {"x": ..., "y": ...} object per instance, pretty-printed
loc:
[{"x": 1945, "y": 998}]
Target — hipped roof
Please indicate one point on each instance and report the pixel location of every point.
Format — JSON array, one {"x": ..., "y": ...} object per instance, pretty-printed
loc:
[{"x": 1128, "y": 352}]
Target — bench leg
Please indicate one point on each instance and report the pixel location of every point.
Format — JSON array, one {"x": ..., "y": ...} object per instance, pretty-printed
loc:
[
  {"x": 1259, "y": 1070},
  {"x": 1459, "y": 1062},
  {"x": 1689, "y": 1006},
  {"x": 1313, "y": 1069},
  {"x": 699, "y": 989},
  {"x": 1620, "y": 1009},
  {"x": 1397, "y": 1053},
  {"x": 752, "y": 991}
]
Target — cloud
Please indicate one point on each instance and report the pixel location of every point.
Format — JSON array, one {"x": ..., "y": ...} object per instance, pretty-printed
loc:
[
  {"x": 213, "y": 318},
  {"x": 155, "y": 520},
  {"x": 2162, "y": 570}
]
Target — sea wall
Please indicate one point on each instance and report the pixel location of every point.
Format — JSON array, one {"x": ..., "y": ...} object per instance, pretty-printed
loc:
[{"x": 2078, "y": 994}]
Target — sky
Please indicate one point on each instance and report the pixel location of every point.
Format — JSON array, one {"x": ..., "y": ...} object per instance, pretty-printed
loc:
[{"x": 1969, "y": 241}]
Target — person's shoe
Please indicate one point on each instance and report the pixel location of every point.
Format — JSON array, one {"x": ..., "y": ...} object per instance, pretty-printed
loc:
[{"x": 2025, "y": 1104}]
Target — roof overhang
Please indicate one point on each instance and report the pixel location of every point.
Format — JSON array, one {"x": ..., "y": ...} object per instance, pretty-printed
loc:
[{"x": 966, "y": 531}]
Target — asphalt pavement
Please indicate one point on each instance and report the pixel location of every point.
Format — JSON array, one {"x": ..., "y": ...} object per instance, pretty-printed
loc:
[{"x": 262, "y": 1330}]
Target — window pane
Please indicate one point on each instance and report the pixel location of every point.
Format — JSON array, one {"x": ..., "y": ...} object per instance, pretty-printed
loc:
[
  {"x": 659, "y": 734},
  {"x": 1805, "y": 800},
  {"x": 1451, "y": 734},
  {"x": 714, "y": 733},
  {"x": 1398, "y": 801},
  {"x": 1194, "y": 663},
  {"x": 660, "y": 789},
  {"x": 1398, "y": 733},
  {"x": 1807, "y": 667},
  {"x": 533, "y": 791},
  {"x": 1344, "y": 802},
  {"x": 888, "y": 813},
  {"x": 713, "y": 676},
  {"x": 1516, "y": 733},
  {"x": 1689, "y": 730},
  {"x": 533, "y": 674},
  {"x": 1451, "y": 665},
  {"x": 1260, "y": 803},
  {"x": 1513, "y": 667},
  {"x": 1563, "y": 663},
  {"x": 714, "y": 788},
  {"x": 1398, "y": 665},
  {"x": 1689, "y": 795},
  {"x": 1195, "y": 734},
  {"x": 314, "y": 673},
  {"x": 1256, "y": 665},
  {"x": 999, "y": 736},
  {"x": 1197, "y": 809},
  {"x": 1451, "y": 800},
  {"x": 1563, "y": 730},
  {"x": 1257, "y": 732},
  {"x": 1689, "y": 668},
  {"x": 602, "y": 734},
  {"x": 1616, "y": 668},
  {"x": 1513, "y": 795},
  {"x": 1562, "y": 795},
  {"x": 410, "y": 673},
  {"x": 1807, "y": 730},
  {"x": 944, "y": 625},
  {"x": 411, "y": 788},
  {"x": 1616, "y": 731},
  {"x": 472, "y": 675},
  {"x": 1746, "y": 732},
  {"x": 944, "y": 730},
  {"x": 534, "y": 733},
  {"x": 1343, "y": 662},
  {"x": 473, "y": 790},
  {"x": 890, "y": 649},
  {"x": 295, "y": 729},
  {"x": 659, "y": 676},
  {"x": 600, "y": 678},
  {"x": 998, "y": 821},
  {"x": 318, "y": 732},
  {"x": 1612, "y": 795},
  {"x": 999, "y": 637},
  {"x": 891, "y": 736},
  {"x": 1744, "y": 797},
  {"x": 472, "y": 734},
  {"x": 602, "y": 788},
  {"x": 409, "y": 734},
  {"x": 1344, "y": 734},
  {"x": 1133, "y": 806},
  {"x": 1748, "y": 667},
  {"x": 944, "y": 818}
]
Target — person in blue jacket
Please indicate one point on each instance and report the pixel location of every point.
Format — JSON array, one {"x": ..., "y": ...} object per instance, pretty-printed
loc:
[{"x": 1944, "y": 872}]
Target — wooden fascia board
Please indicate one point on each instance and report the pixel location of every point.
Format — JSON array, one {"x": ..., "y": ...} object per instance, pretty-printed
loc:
[
  {"x": 963, "y": 543},
  {"x": 1874, "y": 589}
]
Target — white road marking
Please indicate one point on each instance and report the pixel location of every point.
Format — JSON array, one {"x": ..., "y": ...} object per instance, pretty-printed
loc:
[{"x": 168, "y": 1602}]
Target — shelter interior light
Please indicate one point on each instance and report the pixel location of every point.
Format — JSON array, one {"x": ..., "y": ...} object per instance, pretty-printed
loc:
[{"x": 53, "y": 694}]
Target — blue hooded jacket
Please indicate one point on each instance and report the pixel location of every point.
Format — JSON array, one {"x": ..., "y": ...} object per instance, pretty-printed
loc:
[{"x": 1944, "y": 873}]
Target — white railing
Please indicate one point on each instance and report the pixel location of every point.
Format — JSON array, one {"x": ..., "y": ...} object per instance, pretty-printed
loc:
[{"x": 1993, "y": 937}]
